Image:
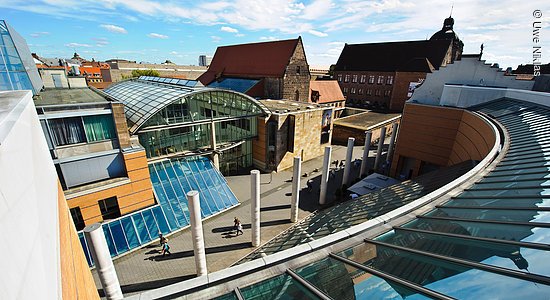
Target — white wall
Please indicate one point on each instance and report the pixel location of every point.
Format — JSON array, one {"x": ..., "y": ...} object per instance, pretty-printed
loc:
[
  {"x": 29, "y": 238},
  {"x": 468, "y": 71},
  {"x": 48, "y": 79},
  {"x": 466, "y": 96},
  {"x": 77, "y": 82}
]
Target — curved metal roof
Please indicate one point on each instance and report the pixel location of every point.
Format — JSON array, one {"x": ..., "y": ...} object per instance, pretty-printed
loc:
[{"x": 145, "y": 96}]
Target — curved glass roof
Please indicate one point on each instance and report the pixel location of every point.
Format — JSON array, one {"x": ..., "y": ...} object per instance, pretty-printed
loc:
[{"x": 145, "y": 96}]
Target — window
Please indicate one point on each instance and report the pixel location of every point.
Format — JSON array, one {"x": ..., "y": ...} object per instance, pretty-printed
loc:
[
  {"x": 339, "y": 77},
  {"x": 109, "y": 208},
  {"x": 291, "y": 132},
  {"x": 380, "y": 79},
  {"x": 353, "y": 90},
  {"x": 377, "y": 92},
  {"x": 297, "y": 70},
  {"x": 360, "y": 91},
  {"x": 297, "y": 96},
  {"x": 371, "y": 79},
  {"x": 354, "y": 78},
  {"x": 345, "y": 90},
  {"x": 99, "y": 128},
  {"x": 363, "y": 78},
  {"x": 387, "y": 93},
  {"x": 346, "y": 79},
  {"x": 77, "y": 218},
  {"x": 389, "y": 80},
  {"x": 67, "y": 131},
  {"x": 369, "y": 92}
]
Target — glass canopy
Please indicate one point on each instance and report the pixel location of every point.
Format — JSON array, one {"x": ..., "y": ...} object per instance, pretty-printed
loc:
[
  {"x": 171, "y": 179},
  {"x": 490, "y": 242},
  {"x": 153, "y": 101}
]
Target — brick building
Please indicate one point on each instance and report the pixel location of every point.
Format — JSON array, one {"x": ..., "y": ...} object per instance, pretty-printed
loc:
[
  {"x": 275, "y": 70},
  {"x": 382, "y": 76}
]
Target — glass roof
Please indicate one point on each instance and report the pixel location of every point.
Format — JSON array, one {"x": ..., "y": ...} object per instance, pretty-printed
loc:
[
  {"x": 490, "y": 242},
  {"x": 241, "y": 85},
  {"x": 145, "y": 96}
]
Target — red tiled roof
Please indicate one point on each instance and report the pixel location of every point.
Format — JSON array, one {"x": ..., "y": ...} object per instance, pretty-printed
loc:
[
  {"x": 256, "y": 60},
  {"x": 100, "y": 85},
  {"x": 329, "y": 90}
]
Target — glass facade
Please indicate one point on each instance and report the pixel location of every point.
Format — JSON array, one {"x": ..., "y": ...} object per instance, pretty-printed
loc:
[
  {"x": 172, "y": 118},
  {"x": 17, "y": 68},
  {"x": 171, "y": 179},
  {"x": 492, "y": 241}
]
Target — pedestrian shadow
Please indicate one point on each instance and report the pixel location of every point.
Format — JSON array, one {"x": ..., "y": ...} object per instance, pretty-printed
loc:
[
  {"x": 229, "y": 229},
  {"x": 210, "y": 250},
  {"x": 275, "y": 207},
  {"x": 149, "y": 285}
]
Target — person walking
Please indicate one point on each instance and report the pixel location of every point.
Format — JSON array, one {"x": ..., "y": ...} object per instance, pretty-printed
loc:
[
  {"x": 161, "y": 238},
  {"x": 166, "y": 248},
  {"x": 239, "y": 227},
  {"x": 236, "y": 222}
]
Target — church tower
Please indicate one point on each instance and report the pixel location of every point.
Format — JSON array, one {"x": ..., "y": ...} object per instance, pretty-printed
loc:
[{"x": 447, "y": 33}]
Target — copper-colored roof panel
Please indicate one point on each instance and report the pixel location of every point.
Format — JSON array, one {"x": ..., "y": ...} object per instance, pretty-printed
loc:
[{"x": 329, "y": 90}]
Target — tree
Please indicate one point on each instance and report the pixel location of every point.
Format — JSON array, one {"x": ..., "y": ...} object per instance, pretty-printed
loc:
[{"x": 137, "y": 73}]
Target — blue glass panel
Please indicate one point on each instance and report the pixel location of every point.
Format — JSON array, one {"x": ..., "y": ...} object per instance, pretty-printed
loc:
[
  {"x": 118, "y": 237},
  {"x": 178, "y": 196},
  {"x": 150, "y": 222},
  {"x": 85, "y": 248},
  {"x": 496, "y": 254},
  {"x": 130, "y": 231},
  {"x": 141, "y": 228},
  {"x": 109, "y": 240},
  {"x": 341, "y": 281},
  {"x": 161, "y": 221},
  {"x": 280, "y": 287},
  {"x": 454, "y": 280},
  {"x": 508, "y": 215}
]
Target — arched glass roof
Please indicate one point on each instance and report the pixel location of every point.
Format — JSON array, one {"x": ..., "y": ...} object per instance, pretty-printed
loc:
[{"x": 145, "y": 96}]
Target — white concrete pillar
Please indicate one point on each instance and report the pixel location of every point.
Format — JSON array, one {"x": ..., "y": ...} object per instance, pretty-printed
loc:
[
  {"x": 297, "y": 169},
  {"x": 103, "y": 262},
  {"x": 196, "y": 232},
  {"x": 255, "y": 206},
  {"x": 389, "y": 157},
  {"x": 347, "y": 166},
  {"x": 368, "y": 138},
  {"x": 213, "y": 145},
  {"x": 324, "y": 175},
  {"x": 379, "y": 150}
]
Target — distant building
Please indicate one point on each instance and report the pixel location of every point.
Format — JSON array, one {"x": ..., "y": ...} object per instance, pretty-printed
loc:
[
  {"x": 292, "y": 129},
  {"x": 123, "y": 68},
  {"x": 100, "y": 169},
  {"x": 17, "y": 68},
  {"x": 327, "y": 92},
  {"x": 204, "y": 61},
  {"x": 383, "y": 76},
  {"x": 272, "y": 70}
]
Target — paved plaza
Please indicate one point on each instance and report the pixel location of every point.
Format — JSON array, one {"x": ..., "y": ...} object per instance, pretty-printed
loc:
[{"x": 145, "y": 268}]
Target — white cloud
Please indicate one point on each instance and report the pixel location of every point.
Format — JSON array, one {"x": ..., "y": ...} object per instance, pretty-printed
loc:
[
  {"x": 39, "y": 34},
  {"x": 101, "y": 42},
  {"x": 318, "y": 33},
  {"x": 157, "y": 36},
  {"x": 239, "y": 35},
  {"x": 268, "y": 38},
  {"x": 113, "y": 28},
  {"x": 78, "y": 45},
  {"x": 317, "y": 9},
  {"x": 215, "y": 38},
  {"x": 173, "y": 53},
  {"x": 229, "y": 29}
]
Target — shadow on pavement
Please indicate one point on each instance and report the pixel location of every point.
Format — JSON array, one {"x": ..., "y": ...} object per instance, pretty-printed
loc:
[
  {"x": 210, "y": 250},
  {"x": 149, "y": 285}
]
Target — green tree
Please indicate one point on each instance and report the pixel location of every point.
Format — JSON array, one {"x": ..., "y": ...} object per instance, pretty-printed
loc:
[{"x": 137, "y": 73}]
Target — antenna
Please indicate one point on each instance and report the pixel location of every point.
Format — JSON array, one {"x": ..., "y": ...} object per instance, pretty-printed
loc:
[{"x": 451, "y": 14}]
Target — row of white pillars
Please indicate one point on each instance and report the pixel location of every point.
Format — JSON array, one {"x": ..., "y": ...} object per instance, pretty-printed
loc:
[
  {"x": 197, "y": 233},
  {"x": 365, "y": 158},
  {"x": 325, "y": 176},
  {"x": 255, "y": 206},
  {"x": 347, "y": 165},
  {"x": 380, "y": 145}
]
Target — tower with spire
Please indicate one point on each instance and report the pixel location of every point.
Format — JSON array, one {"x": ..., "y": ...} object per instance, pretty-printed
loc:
[{"x": 447, "y": 33}]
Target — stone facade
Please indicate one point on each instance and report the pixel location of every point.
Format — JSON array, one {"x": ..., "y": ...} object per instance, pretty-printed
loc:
[
  {"x": 296, "y": 133},
  {"x": 297, "y": 76}
]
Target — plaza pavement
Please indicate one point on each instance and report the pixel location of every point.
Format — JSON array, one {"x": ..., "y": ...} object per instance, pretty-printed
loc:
[{"x": 145, "y": 269}]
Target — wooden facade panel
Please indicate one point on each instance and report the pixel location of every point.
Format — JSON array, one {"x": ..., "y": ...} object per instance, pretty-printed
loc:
[
  {"x": 136, "y": 163},
  {"x": 442, "y": 136},
  {"x": 139, "y": 174},
  {"x": 76, "y": 279}
]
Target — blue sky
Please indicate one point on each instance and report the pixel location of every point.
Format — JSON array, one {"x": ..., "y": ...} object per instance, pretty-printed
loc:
[{"x": 154, "y": 31}]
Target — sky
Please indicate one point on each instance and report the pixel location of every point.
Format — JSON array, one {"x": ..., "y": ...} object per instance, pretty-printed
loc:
[{"x": 179, "y": 31}]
